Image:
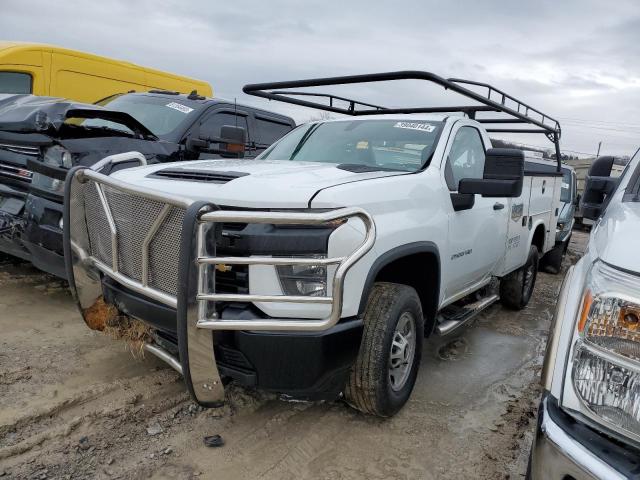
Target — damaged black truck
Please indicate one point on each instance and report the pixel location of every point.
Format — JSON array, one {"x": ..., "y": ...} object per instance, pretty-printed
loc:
[{"x": 41, "y": 138}]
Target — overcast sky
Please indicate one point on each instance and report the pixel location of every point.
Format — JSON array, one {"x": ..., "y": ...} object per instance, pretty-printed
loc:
[{"x": 577, "y": 60}]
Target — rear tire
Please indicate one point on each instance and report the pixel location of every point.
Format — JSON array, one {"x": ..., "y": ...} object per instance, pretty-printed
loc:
[
  {"x": 517, "y": 287},
  {"x": 552, "y": 261},
  {"x": 386, "y": 368}
]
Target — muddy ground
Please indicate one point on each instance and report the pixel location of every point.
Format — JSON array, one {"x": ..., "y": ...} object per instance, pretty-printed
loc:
[{"x": 77, "y": 404}]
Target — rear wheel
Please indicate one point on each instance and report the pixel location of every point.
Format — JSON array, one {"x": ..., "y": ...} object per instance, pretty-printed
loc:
[
  {"x": 551, "y": 262},
  {"x": 517, "y": 287},
  {"x": 385, "y": 371}
]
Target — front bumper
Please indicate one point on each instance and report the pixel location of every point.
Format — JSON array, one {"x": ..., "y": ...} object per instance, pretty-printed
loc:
[
  {"x": 565, "y": 448},
  {"x": 302, "y": 365},
  {"x": 43, "y": 235}
]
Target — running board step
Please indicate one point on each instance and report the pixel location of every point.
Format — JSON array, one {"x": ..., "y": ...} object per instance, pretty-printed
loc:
[{"x": 445, "y": 327}]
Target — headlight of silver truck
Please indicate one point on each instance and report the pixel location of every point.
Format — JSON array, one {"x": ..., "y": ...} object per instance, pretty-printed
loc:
[
  {"x": 606, "y": 362},
  {"x": 307, "y": 280}
]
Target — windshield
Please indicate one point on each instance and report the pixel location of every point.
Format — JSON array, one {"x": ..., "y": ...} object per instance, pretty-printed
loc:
[
  {"x": 565, "y": 191},
  {"x": 376, "y": 144},
  {"x": 160, "y": 115}
]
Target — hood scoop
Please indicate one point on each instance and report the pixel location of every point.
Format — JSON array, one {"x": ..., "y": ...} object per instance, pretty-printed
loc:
[{"x": 188, "y": 175}]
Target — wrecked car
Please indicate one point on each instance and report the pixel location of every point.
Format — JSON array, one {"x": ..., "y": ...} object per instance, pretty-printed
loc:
[
  {"x": 41, "y": 138},
  {"x": 316, "y": 270}
]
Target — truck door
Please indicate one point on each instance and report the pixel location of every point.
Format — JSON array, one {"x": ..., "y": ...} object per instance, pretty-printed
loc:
[
  {"x": 214, "y": 120},
  {"x": 476, "y": 235}
]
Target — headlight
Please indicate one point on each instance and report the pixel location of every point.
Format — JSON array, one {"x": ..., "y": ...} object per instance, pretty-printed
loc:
[
  {"x": 606, "y": 361},
  {"x": 56, "y": 156},
  {"x": 560, "y": 227},
  {"x": 307, "y": 280}
]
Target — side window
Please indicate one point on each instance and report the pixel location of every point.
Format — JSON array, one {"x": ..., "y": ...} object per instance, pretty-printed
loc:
[
  {"x": 271, "y": 130},
  {"x": 466, "y": 157},
  {"x": 211, "y": 126},
  {"x": 15, "y": 82}
]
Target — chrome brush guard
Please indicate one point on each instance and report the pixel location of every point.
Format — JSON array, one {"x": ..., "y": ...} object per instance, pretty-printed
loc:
[{"x": 118, "y": 230}]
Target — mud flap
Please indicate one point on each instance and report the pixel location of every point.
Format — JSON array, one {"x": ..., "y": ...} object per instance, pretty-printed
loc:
[{"x": 195, "y": 345}]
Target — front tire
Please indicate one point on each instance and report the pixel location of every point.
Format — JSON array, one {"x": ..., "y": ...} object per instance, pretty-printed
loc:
[
  {"x": 517, "y": 287},
  {"x": 386, "y": 368}
]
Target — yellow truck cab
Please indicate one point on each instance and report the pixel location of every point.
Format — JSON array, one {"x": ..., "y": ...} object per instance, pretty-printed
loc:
[{"x": 58, "y": 72}]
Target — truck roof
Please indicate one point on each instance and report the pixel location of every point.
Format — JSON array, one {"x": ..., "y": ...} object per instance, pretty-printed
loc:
[
  {"x": 8, "y": 48},
  {"x": 197, "y": 101}
]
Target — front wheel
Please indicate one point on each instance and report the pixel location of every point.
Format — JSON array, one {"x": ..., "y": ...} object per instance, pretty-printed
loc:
[
  {"x": 385, "y": 371},
  {"x": 517, "y": 287}
]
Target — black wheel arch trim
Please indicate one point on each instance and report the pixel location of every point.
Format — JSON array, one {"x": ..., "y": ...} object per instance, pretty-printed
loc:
[{"x": 391, "y": 256}]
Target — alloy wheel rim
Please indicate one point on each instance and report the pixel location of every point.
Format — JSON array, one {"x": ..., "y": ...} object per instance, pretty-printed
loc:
[{"x": 403, "y": 349}]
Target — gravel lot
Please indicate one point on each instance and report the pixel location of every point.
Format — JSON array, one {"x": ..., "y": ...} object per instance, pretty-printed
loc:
[{"x": 77, "y": 404}]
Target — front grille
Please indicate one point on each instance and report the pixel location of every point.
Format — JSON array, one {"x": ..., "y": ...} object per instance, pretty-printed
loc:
[
  {"x": 21, "y": 149},
  {"x": 134, "y": 217},
  {"x": 15, "y": 173}
]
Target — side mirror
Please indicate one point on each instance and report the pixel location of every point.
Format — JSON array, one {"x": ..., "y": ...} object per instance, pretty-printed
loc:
[
  {"x": 503, "y": 174},
  {"x": 235, "y": 138},
  {"x": 231, "y": 142},
  {"x": 598, "y": 187}
]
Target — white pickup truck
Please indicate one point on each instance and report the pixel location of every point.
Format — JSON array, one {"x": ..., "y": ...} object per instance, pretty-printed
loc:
[
  {"x": 317, "y": 269},
  {"x": 589, "y": 416}
]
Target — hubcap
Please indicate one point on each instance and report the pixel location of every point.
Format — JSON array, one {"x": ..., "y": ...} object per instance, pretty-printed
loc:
[{"x": 403, "y": 349}]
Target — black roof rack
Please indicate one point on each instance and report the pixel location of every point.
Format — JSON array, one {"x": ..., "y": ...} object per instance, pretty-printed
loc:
[{"x": 493, "y": 100}]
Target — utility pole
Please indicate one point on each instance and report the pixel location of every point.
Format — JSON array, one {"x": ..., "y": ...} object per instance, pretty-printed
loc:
[{"x": 599, "y": 145}]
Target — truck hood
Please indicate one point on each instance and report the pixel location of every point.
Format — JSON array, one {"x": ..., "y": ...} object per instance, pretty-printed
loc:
[
  {"x": 616, "y": 237},
  {"x": 30, "y": 113},
  {"x": 269, "y": 184}
]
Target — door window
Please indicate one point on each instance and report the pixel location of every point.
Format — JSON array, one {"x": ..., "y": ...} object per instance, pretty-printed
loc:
[
  {"x": 270, "y": 131},
  {"x": 213, "y": 124},
  {"x": 466, "y": 157},
  {"x": 15, "y": 82}
]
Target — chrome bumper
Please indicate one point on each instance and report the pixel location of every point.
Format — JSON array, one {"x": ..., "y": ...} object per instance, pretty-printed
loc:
[
  {"x": 198, "y": 262},
  {"x": 557, "y": 455}
]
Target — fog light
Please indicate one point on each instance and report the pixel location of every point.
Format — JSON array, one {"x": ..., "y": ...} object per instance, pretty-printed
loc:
[{"x": 306, "y": 280}]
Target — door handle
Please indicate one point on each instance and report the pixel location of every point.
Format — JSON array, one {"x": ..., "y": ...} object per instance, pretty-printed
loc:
[{"x": 498, "y": 206}]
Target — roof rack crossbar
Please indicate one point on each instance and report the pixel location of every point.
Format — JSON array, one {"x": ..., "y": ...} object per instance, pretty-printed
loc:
[{"x": 332, "y": 98}]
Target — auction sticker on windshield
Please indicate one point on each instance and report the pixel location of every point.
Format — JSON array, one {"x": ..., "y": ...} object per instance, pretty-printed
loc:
[
  {"x": 425, "y": 127},
  {"x": 180, "y": 107}
]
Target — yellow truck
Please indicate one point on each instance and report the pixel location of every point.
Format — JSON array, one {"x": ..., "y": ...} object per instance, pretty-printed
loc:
[{"x": 58, "y": 72}]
